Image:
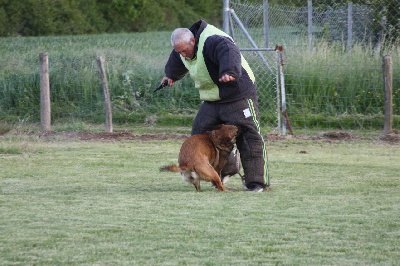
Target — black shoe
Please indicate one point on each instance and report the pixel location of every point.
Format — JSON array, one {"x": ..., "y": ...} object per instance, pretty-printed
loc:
[{"x": 255, "y": 188}]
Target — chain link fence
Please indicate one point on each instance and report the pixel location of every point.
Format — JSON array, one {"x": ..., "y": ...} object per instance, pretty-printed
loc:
[
  {"x": 331, "y": 81},
  {"x": 305, "y": 23},
  {"x": 332, "y": 57}
]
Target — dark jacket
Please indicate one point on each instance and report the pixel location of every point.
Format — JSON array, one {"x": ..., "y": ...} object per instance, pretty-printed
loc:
[{"x": 221, "y": 56}]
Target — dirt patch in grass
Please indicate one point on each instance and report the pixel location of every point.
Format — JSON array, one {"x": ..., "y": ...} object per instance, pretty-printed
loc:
[
  {"x": 331, "y": 136},
  {"x": 392, "y": 137},
  {"x": 114, "y": 136}
]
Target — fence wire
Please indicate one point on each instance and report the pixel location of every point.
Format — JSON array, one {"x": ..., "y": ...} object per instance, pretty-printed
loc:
[
  {"x": 332, "y": 57},
  {"x": 330, "y": 82}
]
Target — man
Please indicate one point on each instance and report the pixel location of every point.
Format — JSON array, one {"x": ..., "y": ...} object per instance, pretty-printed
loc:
[{"x": 227, "y": 88}]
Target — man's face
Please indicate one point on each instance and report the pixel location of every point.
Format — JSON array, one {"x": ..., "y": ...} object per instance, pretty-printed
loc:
[{"x": 186, "y": 49}]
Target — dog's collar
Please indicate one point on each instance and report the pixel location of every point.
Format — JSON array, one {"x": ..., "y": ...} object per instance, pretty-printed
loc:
[{"x": 222, "y": 148}]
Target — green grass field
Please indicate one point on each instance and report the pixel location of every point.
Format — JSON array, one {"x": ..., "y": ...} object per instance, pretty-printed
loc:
[{"x": 64, "y": 201}]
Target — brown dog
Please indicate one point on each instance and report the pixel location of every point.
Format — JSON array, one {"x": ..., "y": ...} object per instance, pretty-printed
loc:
[{"x": 203, "y": 156}]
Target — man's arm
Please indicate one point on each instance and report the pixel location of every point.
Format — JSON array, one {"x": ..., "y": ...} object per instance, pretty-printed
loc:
[
  {"x": 174, "y": 68},
  {"x": 224, "y": 53}
]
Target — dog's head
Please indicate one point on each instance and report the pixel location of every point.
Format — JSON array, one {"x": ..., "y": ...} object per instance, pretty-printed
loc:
[{"x": 224, "y": 137}]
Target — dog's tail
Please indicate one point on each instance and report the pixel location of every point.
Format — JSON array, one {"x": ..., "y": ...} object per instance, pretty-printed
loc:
[{"x": 170, "y": 168}]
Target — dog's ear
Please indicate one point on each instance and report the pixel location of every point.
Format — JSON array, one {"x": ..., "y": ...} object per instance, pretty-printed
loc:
[
  {"x": 240, "y": 129},
  {"x": 218, "y": 138},
  {"x": 215, "y": 138}
]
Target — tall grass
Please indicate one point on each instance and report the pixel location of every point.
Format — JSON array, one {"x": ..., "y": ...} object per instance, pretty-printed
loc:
[
  {"x": 326, "y": 83},
  {"x": 332, "y": 82},
  {"x": 336, "y": 81},
  {"x": 134, "y": 64}
]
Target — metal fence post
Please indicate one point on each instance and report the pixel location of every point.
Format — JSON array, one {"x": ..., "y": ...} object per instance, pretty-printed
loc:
[
  {"x": 349, "y": 26},
  {"x": 225, "y": 17},
  {"x": 283, "y": 92},
  {"x": 251, "y": 41},
  {"x": 309, "y": 8},
  {"x": 278, "y": 94},
  {"x": 266, "y": 30}
]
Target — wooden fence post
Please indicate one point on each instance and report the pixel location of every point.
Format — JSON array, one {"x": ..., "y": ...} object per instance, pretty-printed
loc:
[
  {"x": 107, "y": 101},
  {"x": 45, "y": 109},
  {"x": 388, "y": 86}
]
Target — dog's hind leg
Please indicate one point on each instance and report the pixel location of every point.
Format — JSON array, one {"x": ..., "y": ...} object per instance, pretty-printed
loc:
[
  {"x": 191, "y": 177},
  {"x": 194, "y": 178},
  {"x": 196, "y": 183},
  {"x": 208, "y": 173}
]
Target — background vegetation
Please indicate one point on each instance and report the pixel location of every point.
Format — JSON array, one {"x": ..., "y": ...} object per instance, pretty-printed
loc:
[
  {"x": 345, "y": 93},
  {"x": 70, "y": 17},
  {"x": 66, "y": 17},
  {"x": 327, "y": 87}
]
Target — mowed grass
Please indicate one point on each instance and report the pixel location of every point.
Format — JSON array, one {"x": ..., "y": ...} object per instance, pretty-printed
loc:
[{"x": 102, "y": 203}]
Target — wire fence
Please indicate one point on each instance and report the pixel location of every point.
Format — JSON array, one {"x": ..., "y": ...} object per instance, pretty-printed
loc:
[
  {"x": 332, "y": 57},
  {"x": 305, "y": 23},
  {"x": 331, "y": 81}
]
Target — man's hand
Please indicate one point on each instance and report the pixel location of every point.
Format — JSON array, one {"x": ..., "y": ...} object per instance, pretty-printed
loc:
[
  {"x": 170, "y": 81},
  {"x": 226, "y": 78}
]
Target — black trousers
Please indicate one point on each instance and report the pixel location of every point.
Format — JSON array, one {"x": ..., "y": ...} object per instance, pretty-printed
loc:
[{"x": 251, "y": 145}]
